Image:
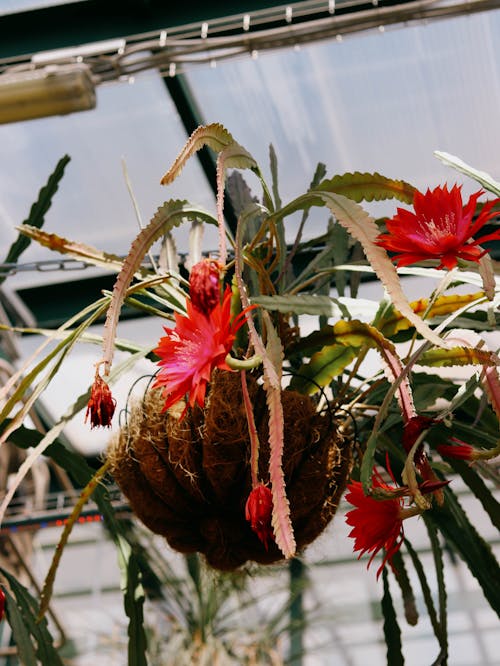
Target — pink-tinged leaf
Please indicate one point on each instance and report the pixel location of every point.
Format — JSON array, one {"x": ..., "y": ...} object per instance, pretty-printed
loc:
[
  {"x": 215, "y": 136},
  {"x": 393, "y": 370},
  {"x": 170, "y": 215},
  {"x": 281, "y": 522},
  {"x": 236, "y": 157},
  {"x": 271, "y": 362},
  {"x": 363, "y": 228},
  {"x": 491, "y": 383}
]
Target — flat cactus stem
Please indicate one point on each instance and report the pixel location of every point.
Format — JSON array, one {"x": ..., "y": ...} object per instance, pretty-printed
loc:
[
  {"x": 281, "y": 522},
  {"x": 166, "y": 216}
]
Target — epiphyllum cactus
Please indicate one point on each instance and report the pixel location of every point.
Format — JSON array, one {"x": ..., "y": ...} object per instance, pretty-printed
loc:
[{"x": 200, "y": 350}]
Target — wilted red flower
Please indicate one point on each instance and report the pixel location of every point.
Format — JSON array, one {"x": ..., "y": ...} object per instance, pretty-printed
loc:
[
  {"x": 440, "y": 228},
  {"x": 101, "y": 405},
  {"x": 204, "y": 285},
  {"x": 258, "y": 512},
  {"x": 190, "y": 351},
  {"x": 412, "y": 430}
]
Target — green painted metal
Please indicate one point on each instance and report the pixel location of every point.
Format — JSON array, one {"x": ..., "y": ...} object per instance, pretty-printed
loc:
[{"x": 87, "y": 21}]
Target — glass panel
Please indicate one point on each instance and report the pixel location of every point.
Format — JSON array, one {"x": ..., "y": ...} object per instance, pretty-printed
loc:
[
  {"x": 138, "y": 123},
  {"x": 368, "y": 102}
]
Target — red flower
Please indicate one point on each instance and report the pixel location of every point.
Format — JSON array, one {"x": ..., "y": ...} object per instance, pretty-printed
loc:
[
  {"x": 258, "y": 512},
  {"x": 190, "y": 351},
  {"x": 101, "y": 405},
  {"x": 2, "y": 603},
  {"x": 440, "y": 228},
  {"x": 378, "y": 524},
  {"x": 204, "y": 285}
]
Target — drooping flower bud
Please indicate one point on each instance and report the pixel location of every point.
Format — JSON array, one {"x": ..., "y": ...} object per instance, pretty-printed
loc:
[
  {"x": 101, "y": 405},
  {"x": 204, "y": 285},
  {"x": 258, "y": 512},
  {"x": 460, "y": 451}
]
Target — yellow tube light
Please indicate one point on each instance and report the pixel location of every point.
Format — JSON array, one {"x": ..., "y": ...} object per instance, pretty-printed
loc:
[{"x": 48, "y": 91}]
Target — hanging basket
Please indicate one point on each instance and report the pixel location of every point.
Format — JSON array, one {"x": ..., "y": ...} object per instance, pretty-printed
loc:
[{"x": 188, "y": 480}]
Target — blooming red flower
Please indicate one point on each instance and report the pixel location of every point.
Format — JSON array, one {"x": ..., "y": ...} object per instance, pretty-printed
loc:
[
  {"x": 190, "y": 351},
  {"x": 376, "y": 524},
  {"x": 101, "y": 405},
  {"x": 440, "y": 228},
  {"x": 258, "y": 512},
  {"x": 204, "y": 285}
]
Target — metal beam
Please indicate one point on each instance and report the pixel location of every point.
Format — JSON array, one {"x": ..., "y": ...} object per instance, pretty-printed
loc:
[{"x": 87, "y": 21}]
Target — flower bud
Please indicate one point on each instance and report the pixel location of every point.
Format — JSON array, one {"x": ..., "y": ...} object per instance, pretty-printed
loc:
[
  {"x": 258, "y": 512},
  {"x": 204, "y": 285}
]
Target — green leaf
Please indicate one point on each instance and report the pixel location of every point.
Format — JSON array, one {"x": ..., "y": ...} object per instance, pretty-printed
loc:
[
  {"x": 38, "y": 210},
  {"x": 326, "y": 364},
  {"x": 426, "y": 590},
  {"x": 45, "y": 651},
  {"x": 392, "y": 632},
  {"x": 369, "y": 187},
  {"x": 341, "y": 244},
  {"x": 273, "y": 163},
  {"x": 131, "y": 585},
  {"x": 428, "y": 388},
  {"x": 20, "y": 633},
  {"x": 402, "y": 579},
  {"x": 479, "y": 488},
  {"x": 303, "y": 304},
  {"x": 437, "y": 553},
  {"x": 453, "y": 523}
]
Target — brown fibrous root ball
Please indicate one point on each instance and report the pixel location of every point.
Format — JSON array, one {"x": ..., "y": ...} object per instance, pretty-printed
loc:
[{"x": 188, "y": 480}]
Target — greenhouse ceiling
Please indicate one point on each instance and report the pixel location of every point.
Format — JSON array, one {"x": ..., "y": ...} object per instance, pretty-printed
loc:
[{"x": 367, "y": 86}]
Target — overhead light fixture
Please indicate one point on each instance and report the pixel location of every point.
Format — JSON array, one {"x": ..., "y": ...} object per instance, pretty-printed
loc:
[{"x": 48, "y": 91}]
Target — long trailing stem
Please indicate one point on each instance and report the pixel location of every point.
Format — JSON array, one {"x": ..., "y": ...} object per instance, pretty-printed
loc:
[
  {"x": 252, "y": 431},
  {"x": 85, "y": 495}
]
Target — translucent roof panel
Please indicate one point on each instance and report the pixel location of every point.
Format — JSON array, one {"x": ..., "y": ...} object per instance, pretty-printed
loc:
[
  {"x": 380, "y": 101},
  {"x": 137, "y": 123}
]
